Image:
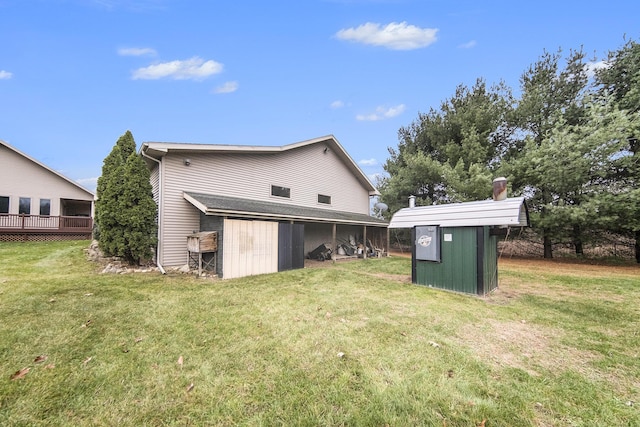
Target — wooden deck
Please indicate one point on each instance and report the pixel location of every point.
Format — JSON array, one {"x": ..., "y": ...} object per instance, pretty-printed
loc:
[{"x": 44, "y": 227}]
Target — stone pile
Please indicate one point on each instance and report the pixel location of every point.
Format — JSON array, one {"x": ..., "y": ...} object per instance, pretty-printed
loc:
[{"x": 114, "y": 265}]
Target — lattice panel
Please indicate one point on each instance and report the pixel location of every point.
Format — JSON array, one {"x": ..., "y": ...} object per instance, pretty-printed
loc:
[{"x": 22, "y": 237}]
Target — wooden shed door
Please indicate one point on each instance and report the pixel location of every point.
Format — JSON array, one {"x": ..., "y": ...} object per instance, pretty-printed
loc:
[
  {"x": 250, "y": 247},
  {"x": 290, "y": 246}
]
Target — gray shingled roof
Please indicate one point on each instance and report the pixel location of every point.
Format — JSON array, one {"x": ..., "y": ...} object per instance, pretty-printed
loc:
[{"x": 212, "y": 204}]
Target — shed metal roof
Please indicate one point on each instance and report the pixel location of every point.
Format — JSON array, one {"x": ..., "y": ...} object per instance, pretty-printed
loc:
[
  {"x": 509, "y": 212},
  {"x": 212, "y": 204}
]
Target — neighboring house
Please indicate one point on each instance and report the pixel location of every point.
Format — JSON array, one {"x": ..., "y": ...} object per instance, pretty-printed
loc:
[
  {"x": 38, "y": 203},
  {"x": 270, "y": 206}
]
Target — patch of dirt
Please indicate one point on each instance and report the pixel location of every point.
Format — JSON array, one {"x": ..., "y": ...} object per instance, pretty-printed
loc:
[
  {"x": 522, "y": 345},
  {"x": 573, "y": 267},
  {"x": 404, "y": 254},
  {"x": 402, "y": 278},
  {"x": 511, "y": 287}
]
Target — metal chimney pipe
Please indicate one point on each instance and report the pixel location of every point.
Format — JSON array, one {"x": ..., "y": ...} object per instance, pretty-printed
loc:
[
  {"x": 412, "y": 201},
  {"x": 499, "y": 188}
]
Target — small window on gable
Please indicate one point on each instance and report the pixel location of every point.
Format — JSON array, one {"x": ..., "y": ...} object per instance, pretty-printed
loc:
[
  {"x": 45, "y": 207},
  {"x": 4, "y": 204},
  {"x": 326, "y": 200},
  {"x": 24, "y": 207},
  {"x": 280, "y": 191}
]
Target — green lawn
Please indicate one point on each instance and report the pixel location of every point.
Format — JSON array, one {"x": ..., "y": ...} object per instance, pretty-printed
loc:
[{"x": 351, "y": 343}]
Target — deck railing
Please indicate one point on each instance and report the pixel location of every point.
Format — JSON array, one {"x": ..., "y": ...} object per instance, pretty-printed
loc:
[{"x": 45, "y": 223}]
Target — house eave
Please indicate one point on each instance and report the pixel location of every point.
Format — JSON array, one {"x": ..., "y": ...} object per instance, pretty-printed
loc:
[
  {"x": 320, "y": 216},
  {"x": 158, "y": 150}
]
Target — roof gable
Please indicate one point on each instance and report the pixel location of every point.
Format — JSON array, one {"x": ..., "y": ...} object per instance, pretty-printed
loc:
[
  {"x": 46, "y": 168},
  {"x": 158, "y": 150},
  {"x": 509, "y": 212}
]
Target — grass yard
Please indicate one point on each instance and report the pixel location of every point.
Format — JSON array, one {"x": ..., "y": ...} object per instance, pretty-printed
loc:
[{"x": 349, "y": 343}]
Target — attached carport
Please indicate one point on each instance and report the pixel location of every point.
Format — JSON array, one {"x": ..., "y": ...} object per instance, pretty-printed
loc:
[{"x": 264, "y": 237}]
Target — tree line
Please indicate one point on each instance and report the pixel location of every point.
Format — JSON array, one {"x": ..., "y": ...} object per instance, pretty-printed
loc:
[{"x": 568, "y": 143}]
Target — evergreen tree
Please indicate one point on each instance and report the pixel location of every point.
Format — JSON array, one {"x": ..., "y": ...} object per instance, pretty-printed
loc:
[
  {"x": 621, "y": 79},
  {"x": 139, "y": 229},
  {"x": 572, "y": 163},
  {"x": 449, "y": 155},
  {"x": 125, "y": 210},
  {"x": 550, "y": 96}
]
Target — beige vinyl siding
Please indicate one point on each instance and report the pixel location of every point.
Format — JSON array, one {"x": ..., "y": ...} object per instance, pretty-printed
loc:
[
  {"x": 20, "y": 177},
  {"x": 155, "y": 190},
  {"x": 179, "y": 219},
  {"x": 250, "y": 247},
  {"x": 307, "y": 171},
  {"x": 155, "y": 184}
]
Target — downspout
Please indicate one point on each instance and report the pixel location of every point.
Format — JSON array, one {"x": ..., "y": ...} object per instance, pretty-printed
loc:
[{"x": 159, "y": 204}]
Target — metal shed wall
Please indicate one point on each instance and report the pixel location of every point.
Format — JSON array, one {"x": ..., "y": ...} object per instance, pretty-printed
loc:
[
  {"x": 490, "y": 260},
  {"x": 290, "y": 246},
  {"x": 469, "y": 262}
]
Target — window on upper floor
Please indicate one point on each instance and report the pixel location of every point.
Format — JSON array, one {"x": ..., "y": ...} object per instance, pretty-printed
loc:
[
  {"x": 24, "y": 207},
  {"x": 4, "y": 204},
  {"x": 45, "y": 207},
  {"x": 280, "y": 191},
  {"x": 325, "y": 200}
]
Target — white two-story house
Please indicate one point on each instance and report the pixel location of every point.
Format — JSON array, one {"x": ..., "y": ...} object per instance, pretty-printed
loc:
[{"x": 270, "y": 205}]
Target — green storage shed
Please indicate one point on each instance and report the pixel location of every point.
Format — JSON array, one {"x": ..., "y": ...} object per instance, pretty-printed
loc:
[{"x": 455, "y": 246}]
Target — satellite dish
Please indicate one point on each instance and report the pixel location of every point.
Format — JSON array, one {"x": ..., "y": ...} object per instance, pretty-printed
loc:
[{"x": 381, "y": 206}]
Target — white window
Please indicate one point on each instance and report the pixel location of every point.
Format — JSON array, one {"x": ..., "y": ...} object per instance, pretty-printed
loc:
[
  {"x": 280, "y": 191},
  {"x": 4, "y": 204},
  {"x": 324, "y": 199},
  {"x": 24, "y": 207},
  {"x": 45, "y": 207}
]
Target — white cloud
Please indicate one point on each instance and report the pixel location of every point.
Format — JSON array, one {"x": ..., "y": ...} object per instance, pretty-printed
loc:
[
  {"x": 382, "y": 113},
  {"x": 592, "y": 67},
  {"x": 5, "y": 75},
  {"x": 194, "y": 68},
  {"x": 337, "y": 104},
  {"x": 368, "y": 162},
  {"x": 376, "y": 177},
  {"x": 88, "y": 183},
  {"x": 227, "y": 87},
  {"x": 468, "y": 45},
  {"x": 137, "y": 51},
  {"x": 397, "y": 36}
]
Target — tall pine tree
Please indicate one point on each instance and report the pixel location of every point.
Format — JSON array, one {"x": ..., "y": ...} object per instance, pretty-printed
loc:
[
  {"x": 551, "y": 95},
  {"x": 449, "y": 155},
  {"x": 125, "y": 209},
  {"x": 621, "y": 79}
]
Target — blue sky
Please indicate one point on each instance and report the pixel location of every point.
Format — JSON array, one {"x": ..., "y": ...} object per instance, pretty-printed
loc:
[{"x": 76, "y": 74}]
